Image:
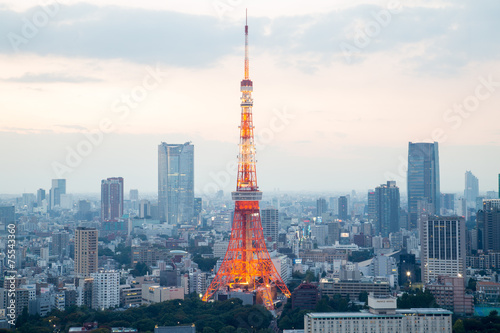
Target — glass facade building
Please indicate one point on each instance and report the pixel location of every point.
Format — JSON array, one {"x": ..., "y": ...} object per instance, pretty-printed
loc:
[
  {"x": 387, "y": 203},
  {"x": 423, "y": 181},
  {"x": 176, "y": 183}
]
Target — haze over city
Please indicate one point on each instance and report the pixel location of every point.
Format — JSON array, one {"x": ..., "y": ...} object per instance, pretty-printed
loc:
[{"x": 333, "y": 111}]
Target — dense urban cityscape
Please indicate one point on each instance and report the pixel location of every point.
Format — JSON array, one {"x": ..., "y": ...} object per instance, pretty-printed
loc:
[{"x": 403, "y": 255}]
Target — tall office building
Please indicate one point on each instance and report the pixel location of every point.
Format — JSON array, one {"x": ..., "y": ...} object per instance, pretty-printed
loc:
[
  {"x": 111, "y": 199},
  {"x": 321, "y": 206},
  {"x": 443, "y": 247},
  {"x": 372, "y": 208},
  {"x": 489, "y": 222},
  {"x": 176, "y": 182},
  {"x": 144, "y": 209},
  {"x": 471, "y": 191},
  {"x": 423, "y": 181},
  {"x": 447, "y": 203},
  {"x": 86, "y": 241},
  {"x": 343, "y": 208},
  {"x": 60, "y": 244},
  {"x": 58, "y": 188},
  {"x": 134, "y": 195},
  {"x": 387, "y": 205},
  {"x": 269, "y": 218},
  {"x": 40, "y": 196}
]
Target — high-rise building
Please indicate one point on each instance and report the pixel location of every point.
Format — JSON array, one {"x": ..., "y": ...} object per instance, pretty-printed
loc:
[
  {"x": 144, "y": 209},
  {"x": 423, "y": 180},
  {"x": 111, "y": 199},
  {"x": 343, "y": 209},
  {"x": 7, "y": 214},
  {"x": 134, "y": 195},
  {"x": 321, "y": 206},
  {"x": 387, "y": 205},
  {"x": 106, "y": 290},
  {"x": 443, "y": 247},
  {"x": 60, "y": 244},
  {"x": 40, "y": 196},
  {"x": 176, "y": 182},
  {"x": 489, "y": 221},
  {"x": 471, "y": 191},
  {"x": 86, "y": 241},
  {"x": 448, "y": 203},
  {"x": 270, "y": 217},
  {"x": 372, "y": 208},
  {"x": 58, "y": 188}
]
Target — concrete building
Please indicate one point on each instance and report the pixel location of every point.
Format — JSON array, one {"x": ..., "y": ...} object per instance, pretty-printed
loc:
[
  {"x": 352, "y": 289},
  {"x": 305, "y": 296},
  {"x": 86, "y": 245},
  {"x": 155, "y": 294},
  {"x": 269, "y": 219},
  {"x": 382, "y": 317},
  {"x": 106, "y": 290},
  {"x": 488, "y": 292},
  {"x": 449, "y": 293},
  {"x": 111, "y": 199},
  {"x": 443, "y": 247}
]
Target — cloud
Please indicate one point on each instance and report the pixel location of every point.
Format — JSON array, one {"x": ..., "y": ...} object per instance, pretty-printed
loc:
[
  {"x": 51, "y": 78},
  {"x": 76, "y": 127},
  {"x": 452, "y": 36}
]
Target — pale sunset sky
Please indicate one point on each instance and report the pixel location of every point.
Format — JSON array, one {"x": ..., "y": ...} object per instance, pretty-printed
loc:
[{"x": 340, "y": 88}]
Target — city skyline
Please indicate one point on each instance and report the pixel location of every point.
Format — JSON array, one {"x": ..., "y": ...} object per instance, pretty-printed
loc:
[{"x": 297, "y": 50}]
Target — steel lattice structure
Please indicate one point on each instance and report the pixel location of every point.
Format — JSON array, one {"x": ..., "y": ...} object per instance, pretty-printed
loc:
[{"x": 247, "y": 265}]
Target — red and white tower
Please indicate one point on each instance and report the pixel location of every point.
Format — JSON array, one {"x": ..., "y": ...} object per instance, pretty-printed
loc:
[{"x": 247, "y": 265}]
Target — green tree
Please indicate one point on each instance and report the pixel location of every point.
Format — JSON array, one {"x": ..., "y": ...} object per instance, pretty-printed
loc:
[
  {"x": 363, "y": 297},
  {"x": 458, "y": 327},
  {"x": 208, "y": 330}
]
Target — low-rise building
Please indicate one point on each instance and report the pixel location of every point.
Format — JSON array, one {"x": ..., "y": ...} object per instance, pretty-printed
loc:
[
  {"x": 382, "y": 317},
  {"x": 449, "y": 293},
  {"x": 156, "y": 294},
  {"x": 488, "y": 292},
  {"x": 352, "y": 289}
]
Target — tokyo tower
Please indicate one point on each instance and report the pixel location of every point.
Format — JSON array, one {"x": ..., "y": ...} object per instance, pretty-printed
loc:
[{"x": 247, "y": 265}]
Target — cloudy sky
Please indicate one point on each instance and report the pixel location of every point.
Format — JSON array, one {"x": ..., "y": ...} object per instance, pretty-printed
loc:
[{"x": 90, "y": 88}]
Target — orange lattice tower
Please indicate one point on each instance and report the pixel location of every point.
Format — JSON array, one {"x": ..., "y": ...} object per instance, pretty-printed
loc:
[{"x": 247, "y": 265}]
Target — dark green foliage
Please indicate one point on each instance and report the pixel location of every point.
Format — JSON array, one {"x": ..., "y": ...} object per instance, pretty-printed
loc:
[
  {"x": 359, "y": 256},
  {"x": 205, "y": 264},
  {"x": 227, "y": 316},
  {"x": 419, "y": 300},
  {"x": 140, "y": 269}
]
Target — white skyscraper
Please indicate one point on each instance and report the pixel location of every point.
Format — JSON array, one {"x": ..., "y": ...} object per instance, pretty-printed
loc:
[
  {"x": 443, "y": 247},
  {"x": 106, "y": 290}
]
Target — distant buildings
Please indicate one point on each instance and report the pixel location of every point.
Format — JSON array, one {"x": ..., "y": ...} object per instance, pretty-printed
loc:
[
  {"x": 144, "y": 209},
  {"x": 471, "y": 191},
  {"x": 58, "y": 188},
  {"x": 176, "y": 182},
  {"x": 321, "y": 206},
  {"x": 423, "y": 181},
  {"x": 269, "y": 219},
  {"x": 111, "y": 199},
  {"x": 387, "y": 206},
  {"x": 86, "y": 251},
  {"x": 489, "y": 225},
  {"x": 343, "y": 209},
  {"x": 443, "y": 247}
]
